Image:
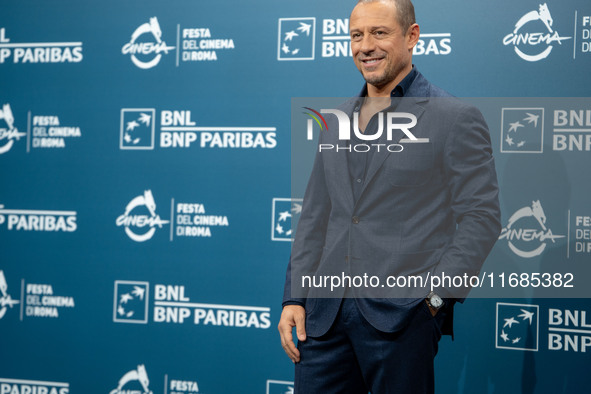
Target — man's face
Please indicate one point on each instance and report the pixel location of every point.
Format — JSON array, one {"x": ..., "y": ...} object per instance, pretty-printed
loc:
[{"x": 381, "y": 49}]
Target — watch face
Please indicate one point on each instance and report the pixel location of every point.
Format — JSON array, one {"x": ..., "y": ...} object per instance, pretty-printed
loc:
[{"x": 436, "y": 301}]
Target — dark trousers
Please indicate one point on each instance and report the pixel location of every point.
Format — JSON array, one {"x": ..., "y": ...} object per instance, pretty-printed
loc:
[{"x": 355, "y": 358}]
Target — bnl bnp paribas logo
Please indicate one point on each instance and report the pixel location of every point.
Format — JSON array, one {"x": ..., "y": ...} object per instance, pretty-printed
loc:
[
  {"x": 131, "y": 302},
  {"x": 22, "y": 386},
  {"x": 146, "y": 46},
  {"x": 534, "y": 37},
  {"x": 9, "y": 134},
  {"x": 38, "y": 52},
  {"x": 285, "y": 217},
  {"x": 527, "y": 233},
  {"x": 518, "y": 327},
  {"x": 170, "y": 304},
  {"x": 178, "y": 130},
  {"x": 137, "y": 128},
  {"x": 32, "y": 220},
  {"x": 522, "y": 130},
  {"x": 297, "y": 39}
]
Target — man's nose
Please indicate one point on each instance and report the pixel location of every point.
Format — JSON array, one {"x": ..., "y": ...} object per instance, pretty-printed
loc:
[{"x": 368, "y": 43}]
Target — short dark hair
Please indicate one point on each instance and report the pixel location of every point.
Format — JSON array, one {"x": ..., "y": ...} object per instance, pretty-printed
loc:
[{"x": 404, "y": 9}]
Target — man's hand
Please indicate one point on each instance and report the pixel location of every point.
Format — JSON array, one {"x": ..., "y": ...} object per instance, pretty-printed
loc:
[
  {"x": 433, "y": 310},
  {"x": 292, "y": 316}
]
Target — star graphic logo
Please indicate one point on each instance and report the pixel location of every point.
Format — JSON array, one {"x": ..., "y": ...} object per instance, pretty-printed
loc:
[
  {"x": 522, "y": 130},
  {"x": 296, "y": 39},
  {"x": 509, "y": 322},
  {"x": 137, "y": 129},
  {"x": 517, "y": 326},
  {"x": 531, "y": 118},
  {"x": 286, "y": 213},
  {"x": 305, "y": 28},
  {"x": 504, "y": 336},
  {"x": 130, "y": 302},
  {"x": 527, "y": 315},
  {"x": 290, "y": 35},
  {"x": 514, "y": 126},
  {"x": 131, "y": 126}
]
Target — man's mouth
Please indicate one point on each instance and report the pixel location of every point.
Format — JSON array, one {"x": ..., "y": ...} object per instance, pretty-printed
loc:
[{"x": 371, "y": 62}]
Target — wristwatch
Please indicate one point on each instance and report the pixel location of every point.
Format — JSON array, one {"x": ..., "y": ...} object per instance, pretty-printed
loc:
[{"x": 434, "y": 301}]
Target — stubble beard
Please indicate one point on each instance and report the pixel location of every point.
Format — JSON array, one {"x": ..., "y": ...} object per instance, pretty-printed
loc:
[
  {"x": 378, "y": 80},
  {"x": 384, "y": 79}
]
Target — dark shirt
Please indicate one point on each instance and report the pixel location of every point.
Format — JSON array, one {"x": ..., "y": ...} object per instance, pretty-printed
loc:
[{"x": 359, "y": 160}]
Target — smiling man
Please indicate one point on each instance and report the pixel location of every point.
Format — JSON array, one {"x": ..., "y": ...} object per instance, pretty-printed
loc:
[
  {"x": 429, "y": 209},
  {"x": 382, "y": 40}
]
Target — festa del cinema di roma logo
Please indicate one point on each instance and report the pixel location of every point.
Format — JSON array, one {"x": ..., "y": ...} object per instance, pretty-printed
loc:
[
  {"x": 147, "y": 54},
  {"x": 135, "y": 218},
  {"x": 521, "y": 40},
  {"x": 8, "y": 133},
  {"x": 518, "y": 236},
  {"x": 137, "y": 381},
  {"x": 6, "y": 300},
  {"x": 138, "y": 375}
]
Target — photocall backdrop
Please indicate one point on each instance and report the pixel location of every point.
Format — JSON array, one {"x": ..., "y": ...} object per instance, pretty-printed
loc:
[{"x": 146, "y": 202}]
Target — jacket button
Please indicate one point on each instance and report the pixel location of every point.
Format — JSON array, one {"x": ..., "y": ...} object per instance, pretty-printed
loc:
[{"x": 355, "y": 220}]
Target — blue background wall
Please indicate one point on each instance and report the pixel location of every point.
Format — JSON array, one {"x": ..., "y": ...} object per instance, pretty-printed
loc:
[{"x": 93, "y": 343}]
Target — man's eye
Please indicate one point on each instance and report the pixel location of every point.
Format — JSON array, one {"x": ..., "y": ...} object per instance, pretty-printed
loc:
[{"x": 379, "y": 33}]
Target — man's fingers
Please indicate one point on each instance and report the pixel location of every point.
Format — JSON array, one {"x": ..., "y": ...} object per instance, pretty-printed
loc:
[
  {"x": 287, "y": 340},
  {"x": 288, "y": 344},
  {"x": 300, "y": 322},
  {"x": 292, "y": 316}
]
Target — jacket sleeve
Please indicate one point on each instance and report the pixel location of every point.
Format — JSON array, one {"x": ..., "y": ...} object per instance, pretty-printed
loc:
[
  {"x": 473, "y": 188},
  {"x": 310, "y": 234}
]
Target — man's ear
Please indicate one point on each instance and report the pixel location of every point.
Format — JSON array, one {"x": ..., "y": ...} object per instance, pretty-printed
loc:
[{"x": 412, "y": 36}]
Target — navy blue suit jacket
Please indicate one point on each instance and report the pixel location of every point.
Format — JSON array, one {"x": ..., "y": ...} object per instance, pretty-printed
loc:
[{"x": 432, "y": 208}]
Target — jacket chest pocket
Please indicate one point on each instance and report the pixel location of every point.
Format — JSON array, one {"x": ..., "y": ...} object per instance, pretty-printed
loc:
[{"x": 411, "y": 167}]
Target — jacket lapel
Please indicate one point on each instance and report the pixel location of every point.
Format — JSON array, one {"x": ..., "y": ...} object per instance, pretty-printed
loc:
[
  {"x": 407, "y": 104},
  {"x": 336, "y": 164}
]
